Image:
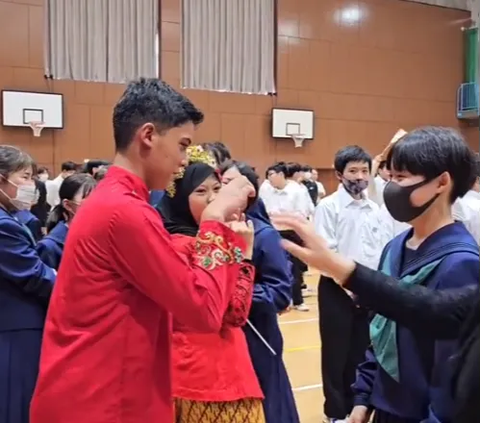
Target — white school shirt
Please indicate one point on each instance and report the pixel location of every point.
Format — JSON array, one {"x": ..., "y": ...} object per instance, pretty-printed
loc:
[
  {"x": 286, "y": 200},
  {"x": 321, "y": 188},
  {"x": 467, "y": 211},
  {"x": 307, "y": 204},
  {"x": 265, "y": 188},
  {"x": 390, "y": 227},
  {"x": 379, "y": 188},
  {"x": 53, "y": 188},
  {"x": 351, "y": 227}
]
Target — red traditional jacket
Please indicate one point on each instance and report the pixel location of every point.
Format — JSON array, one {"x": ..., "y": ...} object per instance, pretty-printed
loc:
[
  {"x": 216, "y": 366},
  {"x": 106, "y": 349}
]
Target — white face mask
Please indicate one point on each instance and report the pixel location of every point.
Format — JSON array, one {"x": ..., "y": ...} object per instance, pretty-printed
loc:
[
  {"x": 307, "y": 175},
  {"x": 43, "y": 177},
  {"x": 25, "y": 198}
]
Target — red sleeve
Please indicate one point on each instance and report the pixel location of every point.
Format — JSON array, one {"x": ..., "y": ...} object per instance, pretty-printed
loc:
[
  {"x": 196, "y": 293},
  {"x": 241, "y": 301}
]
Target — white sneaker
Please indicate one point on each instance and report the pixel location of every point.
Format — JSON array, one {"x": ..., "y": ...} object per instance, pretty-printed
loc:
[
  {"x": 307, "y": 292},
  {"x": 301, "y": 307},
  {"x": 329, "y": 420}
]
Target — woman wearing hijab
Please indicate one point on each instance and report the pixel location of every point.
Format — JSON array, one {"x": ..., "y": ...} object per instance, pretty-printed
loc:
[
  {"x": 213, "y": 376},
  {"x": 272, "y": 295}
]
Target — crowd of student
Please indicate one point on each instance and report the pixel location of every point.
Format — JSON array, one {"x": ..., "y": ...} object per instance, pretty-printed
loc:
[
  {"x": 170, "y": 312},
  {"x": 359, "y": 220},
  {"x": 416, "y": 235}
]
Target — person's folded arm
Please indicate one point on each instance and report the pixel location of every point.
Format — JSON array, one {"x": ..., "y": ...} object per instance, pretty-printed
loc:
[
  {"x": 195, "y": 291},
  {"x": 438, "y": 313},
  {"x": 20, "y": 264},
  {"x": 241, "y": 301}
]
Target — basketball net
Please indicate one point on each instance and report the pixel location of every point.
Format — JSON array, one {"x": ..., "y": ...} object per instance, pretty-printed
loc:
[
  {"x": 37, "y": 128},
  {"x": 298, "y": 139}
]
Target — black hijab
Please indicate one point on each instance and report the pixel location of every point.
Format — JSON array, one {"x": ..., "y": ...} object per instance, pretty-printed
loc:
[{"x": 175, "y": 210}]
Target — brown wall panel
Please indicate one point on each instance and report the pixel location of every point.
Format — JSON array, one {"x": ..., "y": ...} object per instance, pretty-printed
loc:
[{"x": 399, "y": 67}]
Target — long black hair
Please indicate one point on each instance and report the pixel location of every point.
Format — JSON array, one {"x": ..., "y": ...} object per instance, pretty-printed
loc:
[{"x": 71, "y": 186}]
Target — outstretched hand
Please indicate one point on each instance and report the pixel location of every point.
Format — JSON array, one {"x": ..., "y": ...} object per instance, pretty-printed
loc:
[{"x": 315, "y": 251}]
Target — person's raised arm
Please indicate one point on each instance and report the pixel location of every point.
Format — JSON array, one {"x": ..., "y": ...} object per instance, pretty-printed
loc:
[
  {"x": 195, "y": 291},
  {"x": 373, "y": 193},
  {"x": 239, "y": 305},
  {"x": 438, "y": 313}
]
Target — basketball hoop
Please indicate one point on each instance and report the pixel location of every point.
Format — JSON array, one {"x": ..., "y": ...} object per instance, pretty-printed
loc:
[
  {"x": 298, "y": 139},
  {"x": 37, "y": 128}
]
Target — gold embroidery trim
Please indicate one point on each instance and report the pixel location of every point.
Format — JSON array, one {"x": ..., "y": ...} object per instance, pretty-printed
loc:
[{"x": 212, "y": 251}]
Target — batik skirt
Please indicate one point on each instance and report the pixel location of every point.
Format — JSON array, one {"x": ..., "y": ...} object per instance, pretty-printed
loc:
[{"x": 241, "y": 411}]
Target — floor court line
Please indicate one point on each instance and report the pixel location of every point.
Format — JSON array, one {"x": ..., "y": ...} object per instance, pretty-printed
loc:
[
  {"x": 292, "y": 322},
  {"x": 307, "y": 388},
  {"x": 296, "y": 349}
]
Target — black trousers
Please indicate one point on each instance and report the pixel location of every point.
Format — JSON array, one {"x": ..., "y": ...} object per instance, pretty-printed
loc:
[
  {"x": 345, "y": 337},
  {"x": 384, "y": 417},
  {"x": 298, "y": 267}
]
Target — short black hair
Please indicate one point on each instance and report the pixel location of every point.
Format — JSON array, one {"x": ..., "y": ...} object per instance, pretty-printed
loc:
[
  {"x": 42, "y": 169},
  {"x": 12, "y": 160},
  {"x": 279, "y": 167},
  {"x": 351, "y": 154},
  {"x": 94, "y": 163},
  {"x": 246, "y": 170},
  {"x": 383, "y": 164},
  {"x": 69, "y": 166},
  {"x": 102, "y": 172},
  {"x": 477, "y": 160},
  {"x": 431, "y": 151},
  {"x": 306, "y": 168},
  {"x": 219, "y": 150},
  {"x": 291, "y": 168},
  {"x": 150, "y": 100}
]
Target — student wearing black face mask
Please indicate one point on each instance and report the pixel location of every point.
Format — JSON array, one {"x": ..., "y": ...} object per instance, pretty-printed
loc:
[
  {"x": 408, "y": 375},
  {"x": 350, "y": 223},
  {"x": 404, "y": 376}
]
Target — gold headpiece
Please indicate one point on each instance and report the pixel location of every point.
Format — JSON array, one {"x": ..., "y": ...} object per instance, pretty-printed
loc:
[{"x": 195, "y": 154}]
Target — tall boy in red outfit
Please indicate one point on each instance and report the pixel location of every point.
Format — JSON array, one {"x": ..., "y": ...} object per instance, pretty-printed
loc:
[{"x": 106, "y": 350}]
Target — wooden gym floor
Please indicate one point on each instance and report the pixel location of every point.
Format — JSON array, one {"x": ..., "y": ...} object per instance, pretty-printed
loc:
[{"x": 302, "y": 356}]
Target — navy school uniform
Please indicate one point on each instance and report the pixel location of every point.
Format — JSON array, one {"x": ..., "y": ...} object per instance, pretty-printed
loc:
[
  {"x": 25, "y": 287},
  {"x": 423, "y": 393},
  {"x": 155, "y": 197},
  {"x": 32, "y": 222},
  {"x": 50, "y": 248},
  {"x": 272, "y": 294}
]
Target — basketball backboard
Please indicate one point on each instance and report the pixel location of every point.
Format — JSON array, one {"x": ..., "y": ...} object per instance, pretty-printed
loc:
[
  {"x": 19, "y": 108},
  {"x": 289, "y": 122}
]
